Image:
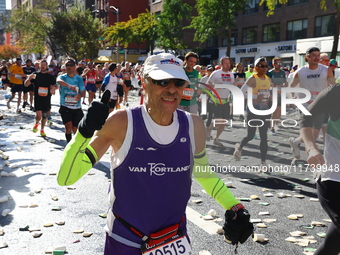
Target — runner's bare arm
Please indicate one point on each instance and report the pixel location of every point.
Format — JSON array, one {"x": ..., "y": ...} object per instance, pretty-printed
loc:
[
  {"x": 330, "y": 77},
  {"x": 211, "y": 183},
  {"x": 295, "y": 81}
]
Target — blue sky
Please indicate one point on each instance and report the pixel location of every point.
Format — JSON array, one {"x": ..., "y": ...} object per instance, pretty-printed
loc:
[{"x": 8, "y": 4}]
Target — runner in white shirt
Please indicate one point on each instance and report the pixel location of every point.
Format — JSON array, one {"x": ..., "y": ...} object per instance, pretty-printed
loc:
[
  {"x": 110, "y": 83},
  {"x": 315, "y": 77},
  {"x": 221, "y": 111}
]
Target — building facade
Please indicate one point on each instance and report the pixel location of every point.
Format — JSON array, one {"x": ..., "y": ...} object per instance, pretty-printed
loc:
[
  {"x": 288, "y": 33},
  {"x": 293, "y": 28}
]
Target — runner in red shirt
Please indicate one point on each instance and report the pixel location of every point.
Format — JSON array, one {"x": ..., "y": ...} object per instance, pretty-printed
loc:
[{"x": 90, "y": 74}]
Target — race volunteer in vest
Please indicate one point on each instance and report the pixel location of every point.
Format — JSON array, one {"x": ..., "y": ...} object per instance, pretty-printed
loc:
[
  {"x": 278, "y": 77},
  {"x": 327, "y": 168},
  {"x": 90, "y": 74},
  {"x": 145, "y": 140},
  {"x": 110, "y": 83},
  {"x": 189, "y": 98},
  {"x": 314, "y": 77},
  {"x": 221, "y": 111},
  {"x": 44, "y": 87},
  {"x": 72, "y": 89},
  {"x": 260, "y": 84},
  {"x": 127, "y": 73}
]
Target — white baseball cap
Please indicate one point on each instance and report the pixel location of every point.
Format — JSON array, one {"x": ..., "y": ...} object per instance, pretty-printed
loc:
[{"x": 164, "y": 66}]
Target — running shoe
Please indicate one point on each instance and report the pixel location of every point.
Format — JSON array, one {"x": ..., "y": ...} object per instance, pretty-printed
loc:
[
  {"x": 127, "y": 104},
  {"x": 218, "y": 142},
  {"x": 32, "y": 108},
  {"x": 8, "y": 105},
  {"x": 35, "y": 128},
  {"x": 237, "y": 153},
  {"x": 18, "y": 111},
  {"x": 295, "y": 147},
  {"x": 42, "y": 133},
  {"x": 272, "y": 132},
  {"x": 84, "y": 103},
  {"x": 264, "y": 167}
]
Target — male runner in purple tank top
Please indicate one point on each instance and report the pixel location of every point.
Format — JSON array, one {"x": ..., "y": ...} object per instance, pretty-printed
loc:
[{"x": 145, "y": 140}]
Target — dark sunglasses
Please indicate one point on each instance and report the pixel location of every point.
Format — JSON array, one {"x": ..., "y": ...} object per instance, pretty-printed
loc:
[
  {"x": 67, "y": 65},
  {"x": 263, "y": 66},
  {"x": 178, "y": 82}
]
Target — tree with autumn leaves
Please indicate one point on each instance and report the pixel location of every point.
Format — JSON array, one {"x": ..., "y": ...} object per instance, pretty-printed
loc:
[{"x": 8, "y": 52}]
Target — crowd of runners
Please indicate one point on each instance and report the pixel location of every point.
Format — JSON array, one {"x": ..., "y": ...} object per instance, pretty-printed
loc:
[{"x": 168, "y": 83}]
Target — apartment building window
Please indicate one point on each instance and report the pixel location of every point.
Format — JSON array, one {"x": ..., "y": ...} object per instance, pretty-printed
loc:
[
  {"x": 324, "y": 25},
  {"x": 234, "y": 34},
  {"x": 252, "y": 6},
  {"x": 212, "y": 42},
  {"x": 277, "y": 5},
  {"x": 294, "y": 2},
  {"x": 271, "y": 33},
  {"x": 249, "y": 35},
  {"x": 156, "y": 1},
  {"x": 297, "y": 29}
]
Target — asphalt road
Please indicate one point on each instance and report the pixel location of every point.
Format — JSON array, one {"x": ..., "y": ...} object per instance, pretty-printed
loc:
[{"x": 34, "y": 161}]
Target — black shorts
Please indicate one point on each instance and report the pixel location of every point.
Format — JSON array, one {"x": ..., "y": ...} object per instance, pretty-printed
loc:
[
  {"x": 16, "y": 88},
  {"x": 112, "y": 103},
  {"x": 74, "y": 115},
  {"x": 127, "y": 83},
  {"x": 221, "y": 111},
  {"x": 120, "y": 90},
  {"x": 98, "y": 83},
  {"x": 28, "y": 88},
  {"x": 42, "y": 105},
  {"x": 5, "y": 81}
]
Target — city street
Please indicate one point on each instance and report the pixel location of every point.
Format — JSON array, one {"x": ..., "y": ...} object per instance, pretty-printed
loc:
[{"x": 35, "y": 198}]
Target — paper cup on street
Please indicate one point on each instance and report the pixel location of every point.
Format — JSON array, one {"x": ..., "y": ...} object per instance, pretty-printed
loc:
[
  {"x": 3, "y": 199},
  {"x": 212, "y": 212},
  {"x": 259, "y": 237}
]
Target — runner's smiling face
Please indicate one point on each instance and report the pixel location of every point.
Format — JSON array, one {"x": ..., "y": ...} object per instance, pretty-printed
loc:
[
  {"x": 313, "y": 58},
  {"x": 190, "y": 63},
  {"x": 164, "y": 99}
]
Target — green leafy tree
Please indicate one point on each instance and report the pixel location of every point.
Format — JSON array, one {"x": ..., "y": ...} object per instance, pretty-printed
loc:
[
  {"x": 31, "y": 27},
  {"x": 215, "y": 17},
  {"x": 76, "y": 33},
  {"x": 323, "y": 5},
  {"x": 170, "y": 26},
  {"x": 138, "y": 30}
]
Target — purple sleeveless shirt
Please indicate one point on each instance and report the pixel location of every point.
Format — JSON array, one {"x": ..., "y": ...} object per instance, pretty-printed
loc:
[{"x": 152, "y": 185}]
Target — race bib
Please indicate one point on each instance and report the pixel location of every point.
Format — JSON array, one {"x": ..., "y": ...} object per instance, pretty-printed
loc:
[
  {"x": 3, "y": 77},
  {"x": 91, "y": 80},
  {"x": 42, "y": 91},
  {"x": 240, "y": 81},
  {"x": 314, "y": 94},
  {"x": 114, "y": 95},
  {"x": 265, "y": 94},
  {"x": 70, "y": 100},
  {"x": 188, "y": 93},
  {"x": 176, "y": 246},
  {"x": 17, "y": 76},
  {"x": 278, "y": 88}
]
